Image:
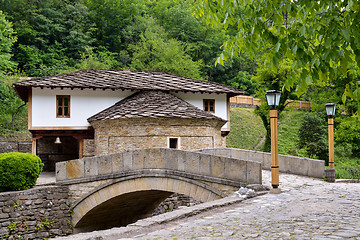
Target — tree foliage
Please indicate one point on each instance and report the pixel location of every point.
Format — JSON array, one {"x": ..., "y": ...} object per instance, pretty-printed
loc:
[
  {"x": 55, "y": 36},
  {"x": 51, "y": 33},
  {"x": 313, "y": 137},
  {"x": 347, "y": 135},
  {"x": 109, "y": 18},
  {"x": 96, "y": 60},
  {"x": 320, "y": 37},
  {"x": 7, "y": 39},
  {"x": 12, "y": 110},
  {"x": 155, "y": 51},
  {"x": 267, "y": 78}
]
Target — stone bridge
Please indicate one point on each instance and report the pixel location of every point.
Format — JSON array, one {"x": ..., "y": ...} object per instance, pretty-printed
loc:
[{"x": 118, "y": 189}]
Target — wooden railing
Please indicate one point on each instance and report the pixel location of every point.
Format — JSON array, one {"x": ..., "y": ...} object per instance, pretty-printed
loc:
[{"x": 251, "y": 101}]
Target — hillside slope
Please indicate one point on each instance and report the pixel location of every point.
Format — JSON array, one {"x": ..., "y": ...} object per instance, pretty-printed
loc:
[{"x": 247, "y": 130}]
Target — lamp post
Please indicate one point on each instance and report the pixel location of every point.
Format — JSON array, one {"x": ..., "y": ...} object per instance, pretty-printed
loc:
[
  {"x": 273, "y": 100},
  {"x": 330, "y": 112}
]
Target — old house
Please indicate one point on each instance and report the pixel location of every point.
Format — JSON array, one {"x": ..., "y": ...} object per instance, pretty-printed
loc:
[{"x": 94, "y": 112}]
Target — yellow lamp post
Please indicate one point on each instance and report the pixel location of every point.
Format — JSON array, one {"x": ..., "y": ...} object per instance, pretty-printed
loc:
[
  {"x": 330, "y": 111},
  {"x": 273, "y": 100}
]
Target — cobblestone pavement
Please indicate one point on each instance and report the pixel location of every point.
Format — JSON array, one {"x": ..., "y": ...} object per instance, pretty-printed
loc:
[{"x": 306, "y": 208}]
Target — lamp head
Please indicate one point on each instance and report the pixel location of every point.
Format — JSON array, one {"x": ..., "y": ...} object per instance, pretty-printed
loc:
[
  {"x": 57, "y": 141},
  {"x": 330, "y": 109},
  {"x": 273, "y": 98}
]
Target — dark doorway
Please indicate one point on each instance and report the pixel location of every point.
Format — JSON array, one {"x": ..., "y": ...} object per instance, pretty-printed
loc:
[{"x": 51, "y": 152}]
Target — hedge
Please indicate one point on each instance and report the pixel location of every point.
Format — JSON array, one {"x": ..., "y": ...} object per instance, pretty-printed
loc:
[{"x": 19, "y": 171}]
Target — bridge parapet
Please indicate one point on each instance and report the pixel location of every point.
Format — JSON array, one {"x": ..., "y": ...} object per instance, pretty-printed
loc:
[
  {"x": 193, "y": 163},
  {"x": 288, "y": 164}
]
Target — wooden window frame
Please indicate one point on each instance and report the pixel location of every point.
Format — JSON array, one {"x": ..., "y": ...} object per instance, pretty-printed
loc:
[
  {"x": 61, "y": 115},
  {"x": 208, "y": 102}
]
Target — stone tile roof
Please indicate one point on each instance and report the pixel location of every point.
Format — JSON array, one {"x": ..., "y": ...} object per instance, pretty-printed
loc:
[
  {"x": 153, "y": 104},
  {"x": 124, "y": 79}
]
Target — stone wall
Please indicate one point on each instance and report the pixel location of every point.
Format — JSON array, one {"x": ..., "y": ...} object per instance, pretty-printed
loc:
[
  {"x": 88, "y": 148},
  {"x": 12, "y": 146},
  {"x": 112, "y": 136},
  {"x": 37, "y": 213},
  {"x": 196, "y": 164},
  {"x": 174, "y": 202},
  {"x": 288, "y": 164}
]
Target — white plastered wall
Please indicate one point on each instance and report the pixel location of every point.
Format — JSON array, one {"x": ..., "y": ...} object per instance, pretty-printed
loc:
[
  {"x": 196, "y": 99},
  {"x": 83, "y": 104}
]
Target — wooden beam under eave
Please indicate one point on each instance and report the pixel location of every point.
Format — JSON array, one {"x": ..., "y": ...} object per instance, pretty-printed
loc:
[
  {"x": 33, "y": 146},
  {"x": 81, "y": 148},
  {"x": 30, "y": 108},
  {"x": 228, "y": 112}
]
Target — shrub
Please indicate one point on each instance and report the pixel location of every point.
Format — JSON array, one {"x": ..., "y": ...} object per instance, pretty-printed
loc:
[
  {"x": 348, "y": 132},
  {"x": 347, "y": 168},
  {"x": 19, "y": 171},
  {"x": 313, "y": 137}
]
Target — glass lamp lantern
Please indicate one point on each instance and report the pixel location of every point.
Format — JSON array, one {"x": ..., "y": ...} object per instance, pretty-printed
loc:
[
  {"x": 273, "y": 98},
  {"x": 330, "y": 109}
]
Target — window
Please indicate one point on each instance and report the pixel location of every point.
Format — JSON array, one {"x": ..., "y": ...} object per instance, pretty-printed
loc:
[
  {"x": 63, "y": 106},
  {"x": 209, "y": 105},
  {"x": 173, "y": 143}
]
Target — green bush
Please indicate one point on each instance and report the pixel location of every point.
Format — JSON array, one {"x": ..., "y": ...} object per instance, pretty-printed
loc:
[
  {"x": 347, "y": 168},
  {"x": 19, "y": 171},
  {"x": 313, "y": 137}
]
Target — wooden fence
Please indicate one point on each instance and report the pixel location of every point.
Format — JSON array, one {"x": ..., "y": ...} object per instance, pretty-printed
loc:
[{"x": 251, "y": 101}]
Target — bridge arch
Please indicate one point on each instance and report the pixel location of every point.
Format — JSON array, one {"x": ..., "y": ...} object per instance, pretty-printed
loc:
[{"x": 130, "y": 198}]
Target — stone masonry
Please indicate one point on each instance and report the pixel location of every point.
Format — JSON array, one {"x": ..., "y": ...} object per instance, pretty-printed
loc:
[
  {"x": 287, "y": 164},
  {"x": 12, "y": 146},
  {"x": 147, "y": 177},
  {"x": 37, "y": 213},
  {"x": 85, "y": 175},
  {"x": 112, "y": 136}
]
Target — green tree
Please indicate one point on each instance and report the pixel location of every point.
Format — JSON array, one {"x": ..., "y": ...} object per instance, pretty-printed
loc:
[
  {"x": 7, "y": 39},
  {"x": 13, "y": 114},
  {"x": 320, "y": 37},
  {"x": 96, "y": 60},
  {"x": 313, "y": 137},
  {"x": 347, "y": 135},
  {"x": 268, "y": 79},
  {"x": 244, "y": 82},
  {"x": 202, "y": 42},
  {"x": 51, "y": 34},
  {"x": 109, "y": 19},
  {"x": 155, "y": 51}
]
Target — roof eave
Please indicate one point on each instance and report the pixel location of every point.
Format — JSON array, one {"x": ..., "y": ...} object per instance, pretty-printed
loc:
[
  {"x": 22, "y": 92},
  {"x": 20, "y": 88}
]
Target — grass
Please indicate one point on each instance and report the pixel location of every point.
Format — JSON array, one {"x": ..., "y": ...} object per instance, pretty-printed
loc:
[
  {"x": 246, "y": 129},
  {"x": 288, "y": 127}
]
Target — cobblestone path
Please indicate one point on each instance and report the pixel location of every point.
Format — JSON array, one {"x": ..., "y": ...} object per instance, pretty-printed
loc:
[{"x": 306, "y": 209}]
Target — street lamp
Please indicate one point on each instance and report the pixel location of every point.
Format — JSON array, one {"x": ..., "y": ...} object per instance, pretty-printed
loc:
[
  {"x": 330, "y": 172},
  {"x": 273, "y": 100}
]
